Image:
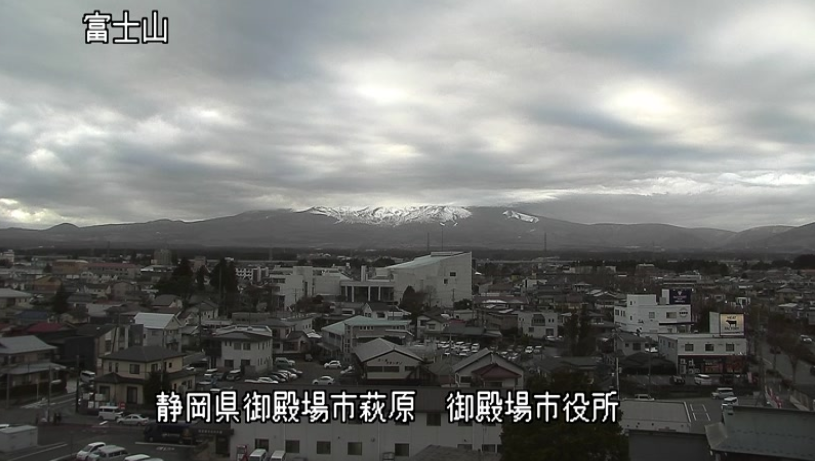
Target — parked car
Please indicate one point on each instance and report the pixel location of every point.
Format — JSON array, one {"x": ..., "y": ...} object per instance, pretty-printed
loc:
[
  {"x": 702, "y": 380},
  {"x": 108, "y": 453},
  {"x": 266, "y": 380},
  {"x": 283, "y": 362},
  {"x": 234, "y": 375},
  {"x": 678, "y": 380},
  {"x": 729, "y": 402},
  {"x": 278, "y": 376},
  {"x": 87, "y": 377},
  {"x": 139, "y": 457},
  {"x": 83, "y": 454},
  {"x": 295, "y": 371},
  {"x": 323, "y": 380},
  {"x": 723, "y": 392},
  {"x": 643, "y": 397},
  {"x": 132, "y": 420},
  {"x": 333, "y": 365},
  {"x": 348, "y": 371},
  {"x": 806, "y": 339}
]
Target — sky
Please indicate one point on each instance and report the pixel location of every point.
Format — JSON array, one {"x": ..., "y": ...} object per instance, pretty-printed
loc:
[{"x": 693, "y": 113}]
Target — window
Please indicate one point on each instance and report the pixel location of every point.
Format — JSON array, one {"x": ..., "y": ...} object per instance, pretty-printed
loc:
[
  {"x": 154, "y": 367},
  {"x": 452, "y": 274},
  {"x": 708, "y": 347},
  {"x": 391, "y": 369},
  {"x": 652, "y": 315},
  {"x": 434, "y": 419},
  {"x": 636, "y": 346},
  {"x": 135, "y": 369},
  {"x": 246, "y": 363},
  {"x": 401, "y": 449},
  {"x": 445, "y": 281},
  {"x": 262, "y": 443},
  {"x": 670, "y": 315},
  {"x": 373, "y": 369},
  {"x": 488, "y": 448},
  {"x": 229, "y": 363},
  {"x": 688, "y": 347},
  {"x": 465, "y": 446},
  {"x": 247, "y": 346},
  {"x": 531, "y": 329},
  {"x": 292, "y": 446},
  {"x": 323, "y": 448},
  {"x": 730, "y": 347},
  {"x": 355, "y": 448}
]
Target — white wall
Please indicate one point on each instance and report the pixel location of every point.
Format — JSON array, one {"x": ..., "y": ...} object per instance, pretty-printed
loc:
[
  {"x": 673, "y": 346},
  {"x": 376, "y": 438},
  {"x": 259, "y": 355},
  {"x": 643, "y": 312},
  {"x": 535, "y": 330},
  {"x": 432, "y": 277}
]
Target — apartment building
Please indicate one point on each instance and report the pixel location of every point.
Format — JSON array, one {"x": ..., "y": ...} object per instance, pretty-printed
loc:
[
  {"x": 248, "y": 347},
  {"x": 650, "y": 315},
  {"x": 127, "y": 371},
  {"x": 289, "y": 284},
  {"x": 722, "y": 351},
  {"x": 121, "y": 271},
  {"x": 162, "y": 330},
  {"x": 539, "y": 325},
  {"x": 343, "y": 337}
]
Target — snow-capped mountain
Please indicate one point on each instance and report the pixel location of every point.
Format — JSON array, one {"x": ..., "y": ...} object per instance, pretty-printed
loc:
[
  {"x": 389, "y": 216},
  {"x": 520, "y": 216}
]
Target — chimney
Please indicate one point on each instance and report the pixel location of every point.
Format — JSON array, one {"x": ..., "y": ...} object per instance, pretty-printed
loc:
[{"x": 363, "y": 273}]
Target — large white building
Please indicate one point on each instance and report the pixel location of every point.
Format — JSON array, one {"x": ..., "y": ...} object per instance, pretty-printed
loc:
[
  {"x": 446, "y": 276},
  {"x": 538, "y": 325},
  {"x": 244, "y": 346},
  {"x": 651, "y": 316},
  {"x": 371, "y": 441},
  {"x": 292, "y": 283},
  {"x": 343, "y": 337}
]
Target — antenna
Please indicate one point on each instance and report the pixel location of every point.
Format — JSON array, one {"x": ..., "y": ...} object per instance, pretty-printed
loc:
[{"x": 545, "y": 243}]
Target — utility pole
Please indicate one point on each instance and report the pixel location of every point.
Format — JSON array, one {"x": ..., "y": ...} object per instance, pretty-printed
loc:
[
  {"x": 648, "y": 346},
  {"x": 76, "y": 400},
  {"x": 758, "y": 338}
]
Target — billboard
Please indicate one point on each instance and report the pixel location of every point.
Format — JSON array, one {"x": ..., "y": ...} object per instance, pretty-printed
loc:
[
  {"x": 679, "y": 296},
  {"x": 731, "y": 324}
]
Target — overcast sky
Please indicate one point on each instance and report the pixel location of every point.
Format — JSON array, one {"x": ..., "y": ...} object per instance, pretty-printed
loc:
[{"x": 694, "y": 113}]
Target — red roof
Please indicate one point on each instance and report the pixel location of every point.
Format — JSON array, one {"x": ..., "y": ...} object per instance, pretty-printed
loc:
[{"x": 44, "y": 327}]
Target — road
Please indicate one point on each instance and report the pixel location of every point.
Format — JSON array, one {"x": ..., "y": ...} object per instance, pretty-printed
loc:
[{"x": 781, "y": 362}]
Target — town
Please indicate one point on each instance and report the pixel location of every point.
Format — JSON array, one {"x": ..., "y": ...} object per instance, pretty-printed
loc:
[{"x": 695, "y": 351}]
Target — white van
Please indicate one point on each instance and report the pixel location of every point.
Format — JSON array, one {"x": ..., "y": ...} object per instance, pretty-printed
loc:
[
  {"x": 278, "y": 455},
  {"x": 110, "y": 413},
  {"x": 108, "y": 453},
  {"x": 141, "y": 457},
  {"x": 259, "y": 455},
  {"x": 703, "y": 380},
  {"x": 87, "y": 377}
]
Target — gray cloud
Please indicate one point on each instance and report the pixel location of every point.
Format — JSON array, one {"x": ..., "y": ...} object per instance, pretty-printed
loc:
[{"x": 678, "y": 112}]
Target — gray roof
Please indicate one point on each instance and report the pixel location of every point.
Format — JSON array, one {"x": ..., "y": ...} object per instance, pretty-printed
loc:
[
  {"x": 153, "y": 321},
  {"x": 491, "y": 358},
  {"x": 143, "y": 354},
  {"x": 437, "y": 452},
  {"x": 382, "y": 307},
  {"x": 164, "y": 300},
  {"x": 9, "y": 293},
  {"x": 655, "y": 416},
  {"x": 787, "y": 434},
  {"x": 22, "y": 345},
  {"x": 379, "y": 347}
]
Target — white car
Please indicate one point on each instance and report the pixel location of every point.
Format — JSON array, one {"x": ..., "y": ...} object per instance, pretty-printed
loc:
[
  {"x": 348, "y": 371},
  {"x": 139, "y": 457},
  {"x": 90, "y": 448},
  {"x": 333, "y": 365},
  {"x": 266, "y": 380},
  {"x": 529, "y": 350},
  {"x": 323, "y": 381},
  {"x": 132, "y": 420}
]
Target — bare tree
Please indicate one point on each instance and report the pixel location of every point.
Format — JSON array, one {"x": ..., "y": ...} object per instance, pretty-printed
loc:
[{"x": 790, "y": 343}]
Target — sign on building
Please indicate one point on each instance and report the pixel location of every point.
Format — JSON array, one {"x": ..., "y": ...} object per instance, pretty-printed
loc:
[
  {"x": 727, "y": 324},
  {"x": 679, "y": 296}
]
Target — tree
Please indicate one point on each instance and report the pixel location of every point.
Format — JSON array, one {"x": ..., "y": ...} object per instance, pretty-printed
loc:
[
  {"x": 157, "y": 382},
  {"x": 413, "y": 302},
  {"x": 47, "y": 269},
  {"x": 558, "y": 440},
  {"x": 59, "y": 303},
  {"x": 180, "y": 282},
  {"x": 224, "y": 278},
  {"x": 463, "y": 304},
  {"x": 200, "y": 278}
]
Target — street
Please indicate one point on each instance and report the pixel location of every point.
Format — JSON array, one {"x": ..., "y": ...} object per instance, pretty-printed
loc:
[{"x": 781, "y": 362}]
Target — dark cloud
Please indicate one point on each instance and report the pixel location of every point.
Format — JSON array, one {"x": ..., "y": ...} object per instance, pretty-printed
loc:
[{"x": 678, "y": 112}]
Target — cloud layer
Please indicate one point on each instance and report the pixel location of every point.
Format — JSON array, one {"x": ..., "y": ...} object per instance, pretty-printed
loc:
[{"x": 690, "y": 113}]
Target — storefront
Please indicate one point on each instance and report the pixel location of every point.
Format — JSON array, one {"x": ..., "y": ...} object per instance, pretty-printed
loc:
[
  {"x": 217, "y": 435},
  {"x": 719, "y": 365}
]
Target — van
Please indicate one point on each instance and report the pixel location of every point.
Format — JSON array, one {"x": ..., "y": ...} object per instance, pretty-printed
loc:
[
  {"x": 259, "y": 455},
  {"x": 110, "y": 413},
  {"x": 282, "y": 362},
  {"x": 108, "y": 453},
  {"x": 87, "y": 377},
  {"x": 234, "y": 375},
  {"x": 730, "y": 401},
  {"x": 278, "y": 455},
  {"x": 723, "y": 392},
  {"x": 702, "y": 380}
]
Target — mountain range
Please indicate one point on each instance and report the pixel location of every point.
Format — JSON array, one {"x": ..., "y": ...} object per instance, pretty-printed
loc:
[{"x": 411, "y": 228}]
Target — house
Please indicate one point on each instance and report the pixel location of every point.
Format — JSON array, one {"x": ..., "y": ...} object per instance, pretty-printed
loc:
[
  {"x": 429, "y": 323},
  {"x": 461, "y": 332},
  {"x": 12, "y": 298},
  {"x": 538, "y": 325},
  {"x": 379, "y": 310},
  {"x": 589, "y": 366},
  {"x": 27, "y": 365},
  {"x": 342, "y": 338},
  {"x": 381, "y": 361},
  {"x": 160, "y": 330},
  {"x": 128, "y": 370},
  {"x": 122, "y": 291},
  {"x": 46, "y": 285},
  {"x": 107, "y": 339},
  {"x": 248, "y": 347},
  {"x": 167, "y": 302},
  {"x": 490, "y": 370}
]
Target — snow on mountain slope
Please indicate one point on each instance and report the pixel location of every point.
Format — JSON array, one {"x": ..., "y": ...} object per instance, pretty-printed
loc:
[
  {"x": 523, "y": 217},
  {"x": 389, "y": 216}
]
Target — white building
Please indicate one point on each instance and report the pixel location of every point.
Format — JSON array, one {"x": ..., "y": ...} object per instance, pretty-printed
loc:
[
  {"x": 160, "y": 330},
  {"x": 376, "y": 310},
  {"x": 252, "y": 274},
  {"x": 292, "y": 283},
  {"x": 366, "y": 442},
  {"x": 382, "y": 360},
  {"x": 704, "y": 353},
  {"x": 652, "y": 316},
  {"x": 343, "y": 337},
  {"x": 538, "y": 325},
  {"x": 244, "y": 346},
  {"x": 7, "y": 256},
  {"x": 446, "y": 276}
]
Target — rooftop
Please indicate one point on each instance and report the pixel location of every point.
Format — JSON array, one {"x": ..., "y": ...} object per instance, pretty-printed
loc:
[
  {"x": 8, "y": 293},
  {"x": 153, "y": 321},
  {"x": 144, "y": 354},
  {"x": 379, "y": 347},
  {"x": 22, "y": 344},
  {"x": 360, "y": 320},
  {"x": 432, "y": 258},
  {"x": 787, "y": 434}
]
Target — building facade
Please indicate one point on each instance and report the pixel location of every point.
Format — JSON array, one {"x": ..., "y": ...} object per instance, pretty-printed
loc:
[
  {"x": 446, "y": 277},
  {"x": 651, "y": 316},
  {"x": 704, "y": 353}
]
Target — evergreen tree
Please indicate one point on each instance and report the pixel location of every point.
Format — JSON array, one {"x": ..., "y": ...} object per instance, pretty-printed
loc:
[
  {"x": 157, "y": 382},
  {"x": 560, "y": 440},
  {"x": 59, "y": 303}
]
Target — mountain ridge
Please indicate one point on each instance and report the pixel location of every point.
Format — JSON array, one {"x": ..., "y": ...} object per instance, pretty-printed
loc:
[{"x": 411, "y": 227}]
